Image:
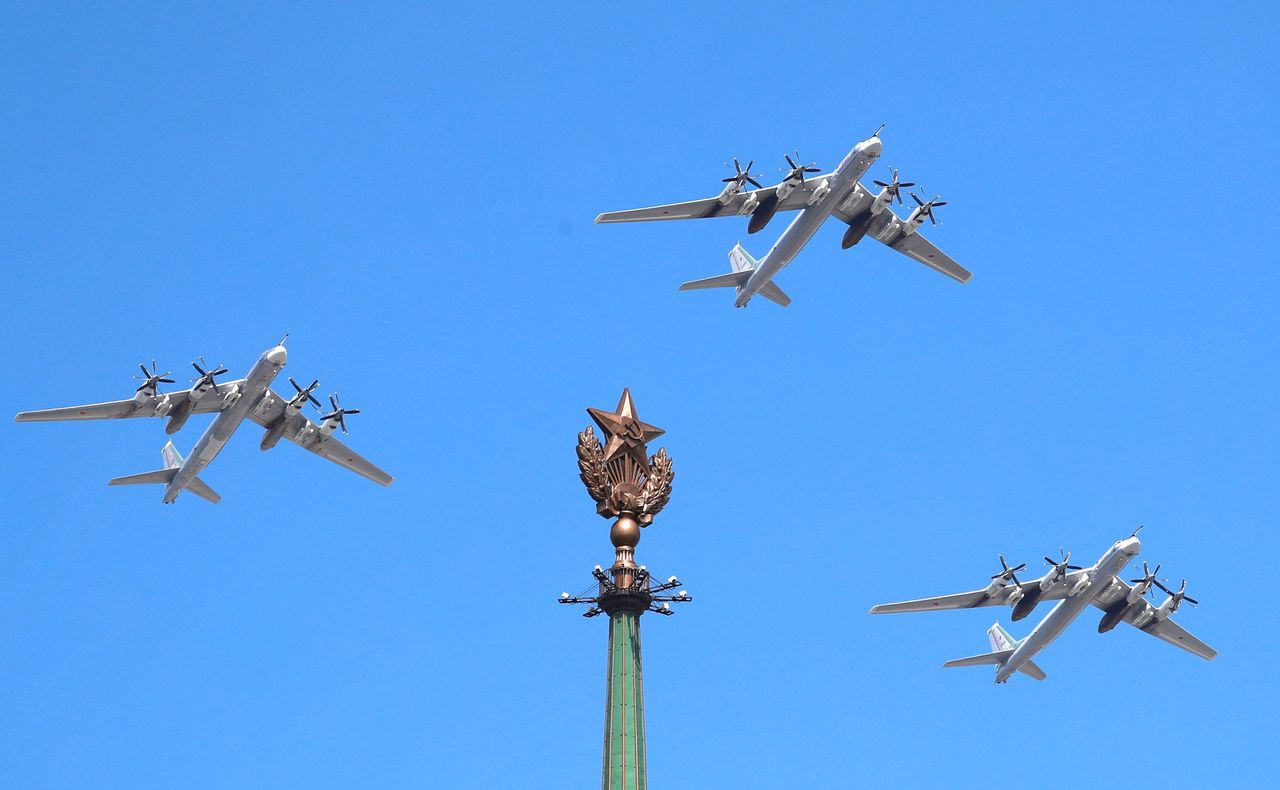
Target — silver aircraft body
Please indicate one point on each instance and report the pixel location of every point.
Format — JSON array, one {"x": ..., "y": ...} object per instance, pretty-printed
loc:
[
  {"x": 234, "y": 401},
  {"x": 1074, "y": 588},
  {"x": 815, "y": 198}
]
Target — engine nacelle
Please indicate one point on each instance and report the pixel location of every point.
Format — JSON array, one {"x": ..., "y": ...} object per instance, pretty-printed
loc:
[
  {"x": 786, "y": 188},
  {"x": 1015, "y": 595},
  {"x": 818, "y": 194},
  {"x": 730, "y": 189},
  {"x": 1112, "y": 617},
  {"x": 857, "y": 229},
  {"x": 163, "y": 404},
  {"x": 273, "y": 434},
  {"x": 763, "y": 213},
  {"x": 1028, "y": 602},
  {"x": 1080, "y": 585},
  {"x": 750, "y": 204},
  {"x": 178, "y": 417}
]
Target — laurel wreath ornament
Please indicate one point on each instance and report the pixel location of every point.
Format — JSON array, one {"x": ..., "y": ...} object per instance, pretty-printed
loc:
[
  {"x": 591, "y": 465},
  {"x": 612, "y": 496},
  {"x": 657, "y": 489}
]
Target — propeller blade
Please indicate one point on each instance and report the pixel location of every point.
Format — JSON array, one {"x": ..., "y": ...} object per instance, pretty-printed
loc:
[
  {"x": 350, "y": 411},
  {"x": 879, "y": 183},
  {"x": 907, "y": 184},
  {"x": 1190, "y": 600},
  {"x": 758, "y": 185},
  {"x": 728, "y": 180},
  {"x": 937, "y": 203},
  {"x": 918, "y": 201},
  {"x": 789, "y": 162},
  {"x": 145, "y": 372},
  {"x": 1074, "y": 568},
  {"x": 1161, "y": 586}
]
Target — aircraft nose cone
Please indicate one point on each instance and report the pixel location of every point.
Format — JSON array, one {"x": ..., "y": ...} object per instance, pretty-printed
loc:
[
  {"x": 873, "y": 146},
  {"x": 277, "y": 356}
]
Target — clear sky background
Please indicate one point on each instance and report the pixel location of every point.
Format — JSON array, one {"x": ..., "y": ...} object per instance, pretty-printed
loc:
[{"x": 409, "y": 191}]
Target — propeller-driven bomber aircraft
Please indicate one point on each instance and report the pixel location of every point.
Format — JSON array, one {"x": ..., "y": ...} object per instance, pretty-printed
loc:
[
  {"x": 815, "y": 198},
  {"x": 1074, "y": 588},
  {"x": 232, "y": 401}
]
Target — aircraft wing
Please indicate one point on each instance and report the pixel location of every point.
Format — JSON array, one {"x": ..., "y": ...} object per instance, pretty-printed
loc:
[
  {"x": 711, "y": 207},
  {"x": 887, "y": 229},
  {"x": 307, "y": 435},
  {"x": 977, "y": 598},
  {"x": 919, "y": 248},
  {"x": 155, "y": 406},
  {"x": 1166, "y": 630}
]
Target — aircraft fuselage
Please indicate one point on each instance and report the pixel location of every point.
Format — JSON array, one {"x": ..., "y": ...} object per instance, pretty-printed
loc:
[
  {"x": 211, "y": 442},
  {"x": 1069, "y": 608},
  {"x": 840, "y": 184}
]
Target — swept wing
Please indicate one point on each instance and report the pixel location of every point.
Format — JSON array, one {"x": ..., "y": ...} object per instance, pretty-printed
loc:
[
  {"x": 119, "y": 409},
  {"x": 1166, "y": 630},
  {"x": 712, "y": 207},
  {"x": 306, "y": 434},
  {"x": 978, "y": 598}
]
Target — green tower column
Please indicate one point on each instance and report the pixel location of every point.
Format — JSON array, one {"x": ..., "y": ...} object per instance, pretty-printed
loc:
[{"x": 624, "y": 745}]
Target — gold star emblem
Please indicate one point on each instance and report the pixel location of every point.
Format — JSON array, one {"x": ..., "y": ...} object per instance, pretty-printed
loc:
[{"x": 624, "y": 432}]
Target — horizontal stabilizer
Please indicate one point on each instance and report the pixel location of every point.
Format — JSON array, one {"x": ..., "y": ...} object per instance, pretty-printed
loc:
[
  {"x": 164, "y": 476},
  {"x": 730, "y": 280},
  {"x": 1029, "y": 668},
  {"x": 774, "y": 294},
  {"x": 998, "y": 657},
  {"x": 202, "y": 490}
]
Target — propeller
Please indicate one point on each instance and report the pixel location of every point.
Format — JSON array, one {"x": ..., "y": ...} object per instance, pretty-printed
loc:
[
  {"x": 927, "y": 208},
  {"x": 743, "y": 176},
  {"x": 1008, "y": 573},
  {"x": 798, "y": 170},
  {"x": 338, "y": 412},
  {"x": 151, "y": 378},
  {"x": 1148, "y": 577},
  {"x": 1061, "y": 567},
  {"x": 206, "y": 376},
  {"x": 1180, "y": 595},
  {"x": 304, "y": 393},
  {"x": 895, "y": 187}
]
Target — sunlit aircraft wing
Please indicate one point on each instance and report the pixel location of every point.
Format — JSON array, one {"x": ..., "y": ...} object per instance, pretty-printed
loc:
[
  {"x": 155, "y": 406},
  {"x": 886, "y": 228},
  {"x": 977, "y": 598},
  {"x": 712, "y": 207},
  {"x": 307, "y": 435},
  {"x": 1166, "y": 630},
  {"x": 919, "y": 248}
]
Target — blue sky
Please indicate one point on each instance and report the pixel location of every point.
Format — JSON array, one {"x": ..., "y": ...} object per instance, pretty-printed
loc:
[{"x": 409, "y": 191}]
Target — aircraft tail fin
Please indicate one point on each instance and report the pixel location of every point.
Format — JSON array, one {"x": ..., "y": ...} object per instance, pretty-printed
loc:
[
  {"x": 743, "y": 265},
  {"x": 740, "y": 260},
  {"x": 1000, "y": 639},
  {"x": 172, "y": 458},
  {"x": 172, "y": 463},
  {"x": 997, "y": 658}
]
